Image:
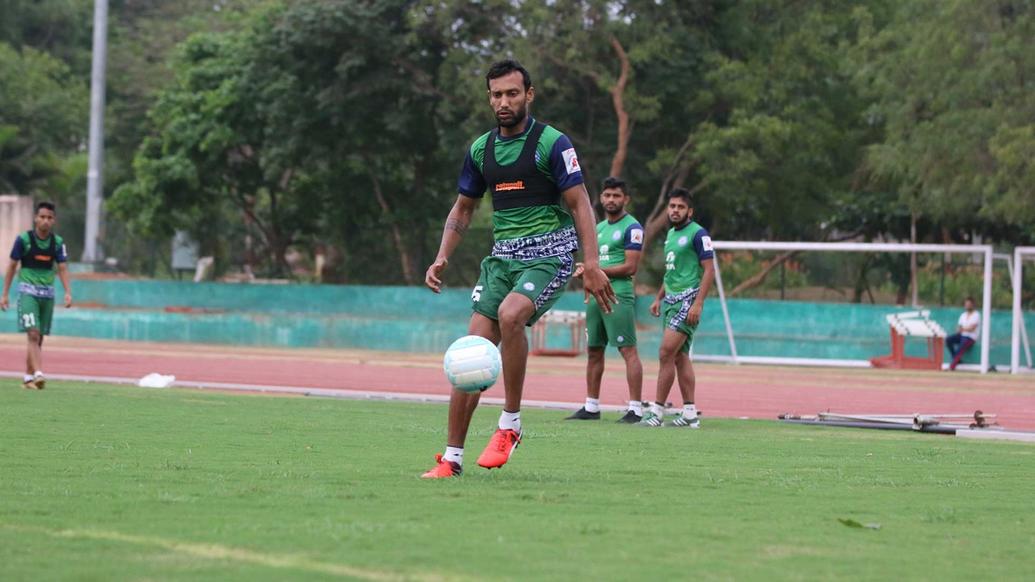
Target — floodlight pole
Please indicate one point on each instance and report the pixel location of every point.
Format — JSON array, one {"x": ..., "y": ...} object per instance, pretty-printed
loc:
[{"x": 95, "y": 173}]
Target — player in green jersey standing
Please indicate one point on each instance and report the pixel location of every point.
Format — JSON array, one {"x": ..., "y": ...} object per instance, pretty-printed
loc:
[
  {"x": 689, "y": 272},
  {"x": 620, "y": 238},
  {"x": 541, "y": 214},
  {"x": 40, "y": 252}
]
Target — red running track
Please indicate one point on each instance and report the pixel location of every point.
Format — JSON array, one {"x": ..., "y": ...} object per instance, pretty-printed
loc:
[{"x": 723, "y": 390}]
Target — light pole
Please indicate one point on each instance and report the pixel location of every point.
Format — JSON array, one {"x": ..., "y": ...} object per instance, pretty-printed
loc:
[{"x": 95, "y": 173}]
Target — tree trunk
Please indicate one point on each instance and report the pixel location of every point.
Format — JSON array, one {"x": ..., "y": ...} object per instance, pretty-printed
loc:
[
  {"x": 760, "y": 277},
  {"x": 617, "y": 100},
  {"x": 404, "y": 254}
]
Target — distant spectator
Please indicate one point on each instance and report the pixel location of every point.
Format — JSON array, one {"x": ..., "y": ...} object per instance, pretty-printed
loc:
[{"x": 966, "y": 334}]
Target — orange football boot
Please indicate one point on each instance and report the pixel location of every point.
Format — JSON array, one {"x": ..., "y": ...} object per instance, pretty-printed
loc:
[
  {"x": 501, "y": 446},
  {"x": 443, "y": 469}
]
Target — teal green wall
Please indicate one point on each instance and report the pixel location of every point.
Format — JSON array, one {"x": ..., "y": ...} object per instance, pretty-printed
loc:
[{"x": 414, "y": 319}]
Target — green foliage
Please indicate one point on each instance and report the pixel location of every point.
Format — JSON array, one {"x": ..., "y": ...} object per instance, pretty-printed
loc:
[{"x": 41, "y": 107}]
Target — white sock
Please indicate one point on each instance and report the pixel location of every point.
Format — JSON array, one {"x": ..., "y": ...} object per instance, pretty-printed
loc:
[
  {"x": 689, "y": 410},
  {"x": 657, "y": 409},
  {"x": 510, "y": 420},
  {"x": 455, "y": 455},
  {"x": 592, "y": 405},
  {"x": 28, "y": 378},
  {"x": 636, "y": 407},
  {"x": 39, "y": 373}
]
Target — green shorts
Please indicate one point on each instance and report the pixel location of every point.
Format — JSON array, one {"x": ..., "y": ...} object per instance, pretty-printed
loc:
[
  {"x": 673, "y": 316},
  {"x": 617, "y": 328},
  {"x": 35, "y": 313},
  {"x": 541, "y": 280}
]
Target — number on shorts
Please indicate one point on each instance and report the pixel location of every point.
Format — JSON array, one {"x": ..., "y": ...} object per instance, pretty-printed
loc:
[
  {"x": 476, "y": 294},
  {"x": 28, "y": 320}
]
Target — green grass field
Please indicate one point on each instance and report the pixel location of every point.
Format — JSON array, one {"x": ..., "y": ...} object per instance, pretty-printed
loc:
[{"x": 108, "y": 482}]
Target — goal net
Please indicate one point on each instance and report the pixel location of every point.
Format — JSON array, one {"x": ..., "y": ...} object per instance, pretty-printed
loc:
[{"x": 844, "y": 304}]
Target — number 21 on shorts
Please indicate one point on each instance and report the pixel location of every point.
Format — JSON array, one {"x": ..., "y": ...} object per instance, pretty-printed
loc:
[{"x": 28, "y": 320}]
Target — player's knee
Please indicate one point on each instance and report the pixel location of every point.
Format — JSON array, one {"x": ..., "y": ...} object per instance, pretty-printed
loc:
[
  {"x": 34, "y": 335},
  {"x": 595, "y": 355},
  {"x": 629, "y": 354},
  {"x": 667, "y": 354},
  {"x": 511, "y": 320}
]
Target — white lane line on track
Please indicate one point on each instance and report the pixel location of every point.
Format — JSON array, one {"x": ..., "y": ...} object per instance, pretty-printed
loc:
[{"x": 318, "y": 392}]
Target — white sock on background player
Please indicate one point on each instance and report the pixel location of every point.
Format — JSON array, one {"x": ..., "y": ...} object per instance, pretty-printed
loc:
[
  {"x": 510, "y": 420},
  {"x": 689, "y": 410},
  {"x": 636, "y": 407},
  {"x": 592, "y": 405},
  {"x": 28, "y": 378},
  {"x": 657, "y": 409}
]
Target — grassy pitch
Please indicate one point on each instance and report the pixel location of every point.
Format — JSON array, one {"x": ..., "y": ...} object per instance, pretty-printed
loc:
[{"x": 109, "y": 482}]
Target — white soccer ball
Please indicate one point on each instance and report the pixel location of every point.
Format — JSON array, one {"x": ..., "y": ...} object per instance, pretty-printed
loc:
[{"x": 472, "y": 364}]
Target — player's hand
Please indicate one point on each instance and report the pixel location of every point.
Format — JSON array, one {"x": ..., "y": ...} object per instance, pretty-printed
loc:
[
  {"x": 4, "y": 303},
  {"x": 598, "y": 285},
  {"x": 68, "y": 300},
  {"x": 431, "y": 278},
  {"x": 693, "y": 317},
  {"x": 579, "y": 269},
  {"x": 655, "y": 308}
]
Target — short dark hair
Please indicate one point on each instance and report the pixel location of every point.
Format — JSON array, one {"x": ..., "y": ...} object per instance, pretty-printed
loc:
[
  {"x": 48, "y": 205},
  {"x": 971, "y": 299},
  {"x": 506, "y": 67},
  {"x": 681, "y": 193},
  {"x": 613, "y": 182}
]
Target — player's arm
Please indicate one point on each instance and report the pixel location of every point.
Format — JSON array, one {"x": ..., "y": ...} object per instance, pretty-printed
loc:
[
  {"x": 12, "y": 268},
  {"x": 62, "y": 269},
  {"x": 594, "y": 281},
  {"x": 655, "y": 306},
  {"x": 694, "y": 316},
  {"x": 452, "y": 233}
]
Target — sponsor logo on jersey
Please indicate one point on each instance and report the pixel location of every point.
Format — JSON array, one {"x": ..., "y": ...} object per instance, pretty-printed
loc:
[
  {"x": 636, "y": 236},
  {"x": 43, "y": 258},
  {"x": 508, "y": 186},
  {"x": 604, "y": 249},
  {"x": 706, "y": 243},
  {"x": 571, "y": 161}
]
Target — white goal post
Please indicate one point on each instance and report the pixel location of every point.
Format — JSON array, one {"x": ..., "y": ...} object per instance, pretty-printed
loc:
[
  {"x": 1017, "y": 331},
  {"x": 856, "y": 247}
]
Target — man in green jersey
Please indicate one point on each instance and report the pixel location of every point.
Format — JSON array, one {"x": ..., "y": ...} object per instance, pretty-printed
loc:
[
  {"x": 620, "y": 238},
  {"x": 689, "y": 272},
  {"x": 40, "y": 252},
  {"x": 541, "y": 214}
]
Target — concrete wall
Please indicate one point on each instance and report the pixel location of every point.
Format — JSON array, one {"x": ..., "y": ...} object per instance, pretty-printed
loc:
[
  {"x": 414, "y": 319},
  {"x": 15, "y": 216}
]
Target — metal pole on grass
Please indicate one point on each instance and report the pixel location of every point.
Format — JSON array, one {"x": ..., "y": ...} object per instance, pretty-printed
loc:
[
  {"x": 986, "y": 309},
  {"x": 95, "y": 172},
  {"x": 1018, "y": 320},
  {"x": 725, "y": 309}
]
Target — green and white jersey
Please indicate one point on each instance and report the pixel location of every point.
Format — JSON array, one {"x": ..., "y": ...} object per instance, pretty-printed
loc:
[
  {"x": 39, "y": 259},
  {"x": 526, "y": 201},
  {"x": 613, "y": 240},
  {"x": 685, "y": 248}
]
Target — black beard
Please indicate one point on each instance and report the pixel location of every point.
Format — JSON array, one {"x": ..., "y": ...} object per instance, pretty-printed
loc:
[
  {"x": 678, "y": 224},
  {"x": 516, "y": 118}
]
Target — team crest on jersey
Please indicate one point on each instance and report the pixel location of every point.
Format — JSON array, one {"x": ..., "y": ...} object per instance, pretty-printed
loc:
[
  {"x": 636, "y": 236},
  {"x": 571, "y": 161},
  {"x": 682, "y": 241},
  {"x": 616, "y": 235}
]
